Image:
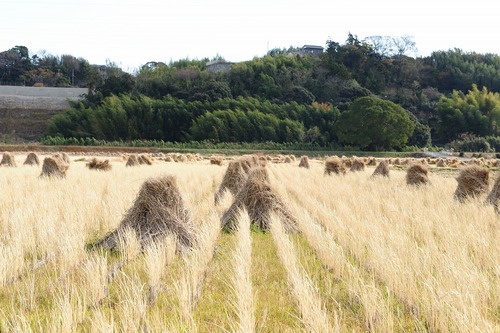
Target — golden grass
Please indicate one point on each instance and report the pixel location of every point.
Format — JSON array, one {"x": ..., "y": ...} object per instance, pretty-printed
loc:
[{"x": 373, "y": 255}]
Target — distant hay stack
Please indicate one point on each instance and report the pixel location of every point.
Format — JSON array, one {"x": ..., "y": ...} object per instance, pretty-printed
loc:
[
  {"x": 8, "y": 160},
  {"x": 100, "y": 165},
  {"x": 158, "y": 210},
  {"x": 133, "y": 160},
  {"x": 233, "y": 180},
  {"x": 169, "y": 159},
  {"x": 371, "y": 161},
  {"x": 472, "y": 181},
  {"x": 357, "y": 165},
  {"x": 216, "y": 160},
  {"x": 304, "y": 162},
  {"x": 334, "y": 165},
  {"x": 381, "y": 170},
  {"x": 417, "y": 174},
  {"x": 32, "y": 159},
  {"x": 54, "y": 167},
  {"x": 494, "y": 196},
  {"x": 441, "y": 163},
  {"x": 63, "y": 156},
  {"x": 145, "y": 159},
  {"x": 259, "y": 200},
  {"x": 288, "y": 159}
]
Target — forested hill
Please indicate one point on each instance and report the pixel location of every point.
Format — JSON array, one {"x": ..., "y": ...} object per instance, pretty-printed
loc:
[{"x": 284, "y": 96}]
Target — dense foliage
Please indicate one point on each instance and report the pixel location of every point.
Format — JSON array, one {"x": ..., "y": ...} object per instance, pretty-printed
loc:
[
  {"x": 375, "y": 124},
  {"x": 282, "y": 96}
]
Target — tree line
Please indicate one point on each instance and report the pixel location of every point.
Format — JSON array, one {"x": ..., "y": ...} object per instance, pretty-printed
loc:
[{"x": 284, "y": 96}]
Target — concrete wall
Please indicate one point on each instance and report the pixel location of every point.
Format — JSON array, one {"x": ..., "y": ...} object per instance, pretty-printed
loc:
[{"x": 25, "y": 111}]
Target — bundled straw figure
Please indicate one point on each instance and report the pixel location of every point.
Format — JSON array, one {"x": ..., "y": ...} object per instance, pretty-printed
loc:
[
  {"x": 382, "y": 169},
  {"x": 158, "y": 210},
  {"x": 304, "y": 162},
  {"x": 64, "y": 157},
  {"x": 334, "y": 165},
  {"x": 357, "y": 165},
  {"x": 100, "y": 165},
  {"x": 257, "y": 197},
  {"x": 133, "y": 160},
  {"x": 8, "y": 160},
  {"x": 417, "y": 174},
  {"x": 32, "y": 159},
  {"x": 472, "y": 181},
  {"x": 494, "y": 196},
  {"x": 236, "y": 174},
  {"x": 145, "y": 159},
  {"x": 54, "y": 166}
]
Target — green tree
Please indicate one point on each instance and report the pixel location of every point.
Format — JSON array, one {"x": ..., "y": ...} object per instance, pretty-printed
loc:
[
  {"x": 375, "y": 124},
  {"x": 477, "y": 112}
]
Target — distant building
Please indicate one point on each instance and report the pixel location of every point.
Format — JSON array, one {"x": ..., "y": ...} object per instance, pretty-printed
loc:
[
  {"x": 218, "y": 66},
  {"x": 312, "y": 50}
]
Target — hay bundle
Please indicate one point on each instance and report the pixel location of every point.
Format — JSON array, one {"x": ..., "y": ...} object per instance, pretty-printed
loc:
[
  {"x": 158, "y": 210},
  {"x": 169, "y": 159},
  {"x": 63, "y": 156},
  {"x": 494, "y": 196},
  {"x": 145, "y": 159},
  {"x": 417, "y": 174},
  {"x": 357, "y": 165},
  {"x": 257, "y": 197},
  {"x": 32, "y": 159},
  {"x": 54, "y": 167},
  {"x": 472, "y": 181},
  {"x": 263, "y": 160},
  {"x": 233, "y": 180},
  {"x": 304, "y": 162},
  {"x": 334, "y": 165},
  {"x": 133, "y": 160},
  {"x": 396, "y": 161},
  {"x": 371, "y": 161},
  {"x": 216, "y": 160},
  {"x": 8, "y": 160},
  {"x": 381, "y": 170},
  {"x": 441, "y": 163},
  {"x": 288, "y": 159},
  {"x": 101, "y": 165}
]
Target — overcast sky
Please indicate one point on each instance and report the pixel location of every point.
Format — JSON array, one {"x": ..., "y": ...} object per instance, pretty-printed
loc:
[{"x": 133, "y": 32}]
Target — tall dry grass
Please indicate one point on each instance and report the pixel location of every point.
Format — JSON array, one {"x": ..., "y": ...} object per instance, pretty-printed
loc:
[
  {"x": 405, "y": 258},
  {"x": 439, "y": 257},
  {"x": 241, "y": 280},
  {"x": 309, "y": 301}
]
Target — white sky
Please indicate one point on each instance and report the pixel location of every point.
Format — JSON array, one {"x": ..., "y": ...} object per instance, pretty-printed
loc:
[{"x": 133, "y": 32}]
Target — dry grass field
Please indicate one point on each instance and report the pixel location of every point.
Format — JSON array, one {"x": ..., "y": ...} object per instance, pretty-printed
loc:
[{"x": 372, "y": 254}]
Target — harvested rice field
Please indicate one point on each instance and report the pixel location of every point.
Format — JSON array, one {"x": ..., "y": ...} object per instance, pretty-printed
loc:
[{"x": 172, "y": 243}]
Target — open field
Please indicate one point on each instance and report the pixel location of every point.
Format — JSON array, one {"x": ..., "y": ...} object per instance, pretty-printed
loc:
[{"x": 372, "y": 255}]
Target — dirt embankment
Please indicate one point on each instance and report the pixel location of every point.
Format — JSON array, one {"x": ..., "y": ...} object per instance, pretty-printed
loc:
[{"x": 25, "y": 111}]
